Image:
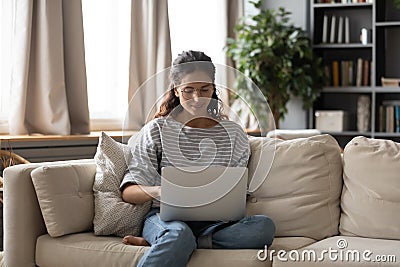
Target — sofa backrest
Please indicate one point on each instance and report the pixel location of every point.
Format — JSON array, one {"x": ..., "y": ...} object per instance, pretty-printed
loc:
[{"x": 301, "y": 189}]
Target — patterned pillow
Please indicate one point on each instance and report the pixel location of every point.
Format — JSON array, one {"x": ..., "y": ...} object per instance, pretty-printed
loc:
[{"x": 113, "y": 216}]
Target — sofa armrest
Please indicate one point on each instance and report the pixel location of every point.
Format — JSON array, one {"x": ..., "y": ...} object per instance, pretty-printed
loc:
[{"x": 23, "y": 221}]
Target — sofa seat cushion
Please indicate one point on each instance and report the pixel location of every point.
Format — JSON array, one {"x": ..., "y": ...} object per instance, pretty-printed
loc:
[
  {"x": 88, "y": 250},
  {"x": 375, "y": 252},
  {"x": 298, "y": 184},
  {"x": 291, "y": 242},
  {"x": 371, "y": 192}
]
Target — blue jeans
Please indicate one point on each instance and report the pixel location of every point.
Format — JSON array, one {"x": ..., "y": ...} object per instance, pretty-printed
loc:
[{"x": 172, "y": 243}]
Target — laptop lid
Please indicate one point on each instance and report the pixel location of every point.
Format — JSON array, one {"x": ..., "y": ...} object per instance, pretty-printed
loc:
[{"x": 203, "y": 193}]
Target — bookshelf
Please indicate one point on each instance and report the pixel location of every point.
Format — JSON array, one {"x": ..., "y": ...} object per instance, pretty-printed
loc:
[{"x": 355, "y": 64}]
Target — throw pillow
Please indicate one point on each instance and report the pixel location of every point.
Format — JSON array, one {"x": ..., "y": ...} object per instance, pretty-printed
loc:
[
  {"x": 370, "y": 197},
  {"x": 65, "y": 197},
  {"x": 297, "y": 183},
  {"x": 113, "y": 216}
]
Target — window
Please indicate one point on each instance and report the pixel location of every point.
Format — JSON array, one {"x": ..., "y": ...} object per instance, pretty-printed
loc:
[
  {"x": 201, "y": 25},
  {"x": 106, "y": 26},
  {"x": 194, "y": 24},
  {"x": 198, "y": 25}
]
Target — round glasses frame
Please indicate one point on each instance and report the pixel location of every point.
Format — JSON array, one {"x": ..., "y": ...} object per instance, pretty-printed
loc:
[{"x": 188, "y": 92}]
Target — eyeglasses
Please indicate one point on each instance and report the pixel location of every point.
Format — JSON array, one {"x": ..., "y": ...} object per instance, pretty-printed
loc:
[{"x": 205, "y": 91}]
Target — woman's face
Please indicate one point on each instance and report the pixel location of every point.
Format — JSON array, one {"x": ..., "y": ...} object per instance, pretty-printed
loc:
[{"x": 195, "y": 92}]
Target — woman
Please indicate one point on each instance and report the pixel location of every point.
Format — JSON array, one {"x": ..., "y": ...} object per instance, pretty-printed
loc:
[{"x": 189, "y": 130}]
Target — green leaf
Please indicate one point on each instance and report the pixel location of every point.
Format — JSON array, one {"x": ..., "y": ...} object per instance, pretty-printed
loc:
[{"x": 278, "y": 57}]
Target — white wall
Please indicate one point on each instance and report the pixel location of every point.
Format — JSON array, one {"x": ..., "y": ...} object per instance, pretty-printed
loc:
[{"x": 296, "y": 117}]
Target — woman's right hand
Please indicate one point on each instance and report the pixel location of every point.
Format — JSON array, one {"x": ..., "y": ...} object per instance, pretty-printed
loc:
[{"x": 138, "y": 194}]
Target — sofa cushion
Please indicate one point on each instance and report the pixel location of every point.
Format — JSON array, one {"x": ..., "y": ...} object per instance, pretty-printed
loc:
[
  {"x": 297, "y": 183},
  {"x": 113, "y": 216},
  {"x": 86, "y": 249},
  {"x": 371, "y": 192},
  {"x": 290, "y": 243},
  {"x": 65, "y": 197}
]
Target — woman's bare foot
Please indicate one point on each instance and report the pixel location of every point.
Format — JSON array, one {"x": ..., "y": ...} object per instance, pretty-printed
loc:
[{"x": 134, "y": 241}]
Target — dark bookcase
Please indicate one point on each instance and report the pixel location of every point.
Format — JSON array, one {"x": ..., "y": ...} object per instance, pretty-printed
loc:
[{"x": 356, "y": 64}]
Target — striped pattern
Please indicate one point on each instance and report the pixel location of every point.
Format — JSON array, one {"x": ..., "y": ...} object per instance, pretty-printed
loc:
[{"x": 166, "y": 142}]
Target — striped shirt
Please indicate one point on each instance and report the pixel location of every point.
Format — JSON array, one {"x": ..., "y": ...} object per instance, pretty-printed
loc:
[{"x": 166, "y": 142}]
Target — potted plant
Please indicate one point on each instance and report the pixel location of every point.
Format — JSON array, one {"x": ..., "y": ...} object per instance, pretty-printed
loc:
[{"x": 278, "y": 58}]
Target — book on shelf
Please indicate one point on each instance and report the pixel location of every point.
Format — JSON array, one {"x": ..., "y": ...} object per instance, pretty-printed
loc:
[
  {"x": 365, "y": 74},
  {"x": 397, "y": 118},
  {"x": 359, "y": 72},
  {"x": 339, "y": 33},
  {"x": 382, "y": 119},
  {"x": 340, "y": 73},
  {"x": 325, "y": 29},
  {"x": 344, "y": 75},
  {"x": 340, "y": 30},
  {"x": 389, "y": 116},
  {"x": 351, "y": 73},
  {"x": 389, "y": 119},
  {"x": 335, "y": 73},
  {"x": 327, "y": 70},
  {"x": 371, "y": 73},
  {"x": 333, "y": 29},
  {"x": 346, "y": 72},
  {"x": 347, "y": 30}
]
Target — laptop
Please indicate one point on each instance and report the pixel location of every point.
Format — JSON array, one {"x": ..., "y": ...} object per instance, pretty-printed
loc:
[{"x": 210, "y": 193}]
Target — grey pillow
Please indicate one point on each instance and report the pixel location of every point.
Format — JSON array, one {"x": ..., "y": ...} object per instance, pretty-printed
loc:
[{"x": 113, "y": 216}]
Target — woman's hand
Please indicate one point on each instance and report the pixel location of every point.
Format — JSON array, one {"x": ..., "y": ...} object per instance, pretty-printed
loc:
[{"x": 138, "y": 194}]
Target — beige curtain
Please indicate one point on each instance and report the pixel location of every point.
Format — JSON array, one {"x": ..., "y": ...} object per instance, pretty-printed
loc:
[
  {"x": 48, "y": 72},
  {"x": 234, "y": 10},
  {"x": 150, "y": 54}
]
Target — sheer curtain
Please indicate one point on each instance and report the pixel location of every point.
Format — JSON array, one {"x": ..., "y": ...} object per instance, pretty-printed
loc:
[
  {"x": 150, "y": 53},
  {"x": 6, "y": 8},
  {"x": 48, "y": 71}
]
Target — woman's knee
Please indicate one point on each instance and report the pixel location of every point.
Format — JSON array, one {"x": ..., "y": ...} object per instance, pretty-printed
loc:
[
  {"x": 181, "y": 235},
  {"x": 265, "y": 228}
]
